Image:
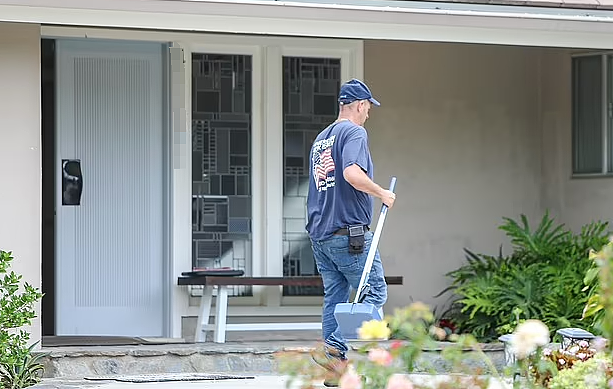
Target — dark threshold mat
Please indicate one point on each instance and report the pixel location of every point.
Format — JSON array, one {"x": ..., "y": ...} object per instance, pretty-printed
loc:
[{"x": 168, "y": 377}]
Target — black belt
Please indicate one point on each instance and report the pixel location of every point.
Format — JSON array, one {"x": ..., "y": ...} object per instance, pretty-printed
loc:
[{"x": 345, "y": 230}]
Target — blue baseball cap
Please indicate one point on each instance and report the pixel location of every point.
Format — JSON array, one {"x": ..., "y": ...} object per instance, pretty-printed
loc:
[{"x": 354, "y": 90}]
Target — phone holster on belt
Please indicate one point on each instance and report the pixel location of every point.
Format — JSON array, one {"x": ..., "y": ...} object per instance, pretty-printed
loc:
[{"x": 356, "y": 239}]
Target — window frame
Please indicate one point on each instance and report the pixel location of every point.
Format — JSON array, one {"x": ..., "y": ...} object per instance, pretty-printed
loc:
[
  {"x": 256, "y": 135},
  {"x": 351, "y": 57},
  {"x": 267, "y": 145},
  {"x": 606, "y": 118}
]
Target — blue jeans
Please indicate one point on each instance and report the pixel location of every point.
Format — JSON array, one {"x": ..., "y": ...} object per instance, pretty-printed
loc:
[{"x": 341, "y": 271}]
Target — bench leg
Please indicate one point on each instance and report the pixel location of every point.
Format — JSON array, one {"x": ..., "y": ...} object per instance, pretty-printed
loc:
[
  {"x": 221, "y": 311},
  {"x": 204, "y": 314}
]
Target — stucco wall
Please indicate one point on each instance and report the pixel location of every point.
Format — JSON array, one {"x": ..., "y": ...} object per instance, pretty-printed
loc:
[
  {"x": 20, "y": 169},
  {"x": 459, "y": 127},
  {"x": 575, "y": 201}
]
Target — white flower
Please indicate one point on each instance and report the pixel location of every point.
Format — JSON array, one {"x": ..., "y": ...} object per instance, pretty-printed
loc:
[
  {"x": 528, "y": 336},
  {"x": 562, "y": 361},
  {"x": 592, "y": 381},
  {"x": 599, "y": 343},
  {"x": 583, "y": 344},
  {"x": 602, "y": 366},
  {"x": 582, "y": 356}
]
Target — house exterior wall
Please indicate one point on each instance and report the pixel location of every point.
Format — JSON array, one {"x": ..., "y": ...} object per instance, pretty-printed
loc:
[
  {"x": 574, "y": 201},
  {"x": 473, "y": 133},
  {"x": 459, "y": 127},
  {"x": 20, "y": 159}
]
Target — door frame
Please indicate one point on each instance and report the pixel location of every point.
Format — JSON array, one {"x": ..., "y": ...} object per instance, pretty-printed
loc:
[{"x": 267, "y": 153}]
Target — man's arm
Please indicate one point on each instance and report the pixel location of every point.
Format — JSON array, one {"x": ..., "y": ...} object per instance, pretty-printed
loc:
[{"x": 355, "y": 176}]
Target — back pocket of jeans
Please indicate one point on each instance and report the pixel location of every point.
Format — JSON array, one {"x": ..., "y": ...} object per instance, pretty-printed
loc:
[{"x": 344, "y": 260}]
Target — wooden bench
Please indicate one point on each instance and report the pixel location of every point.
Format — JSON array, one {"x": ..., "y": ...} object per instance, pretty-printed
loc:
[{"x": 221, "y": 309}]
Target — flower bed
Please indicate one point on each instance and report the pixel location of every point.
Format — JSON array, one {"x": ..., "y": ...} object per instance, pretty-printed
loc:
[{"x": 578, "y": 366}]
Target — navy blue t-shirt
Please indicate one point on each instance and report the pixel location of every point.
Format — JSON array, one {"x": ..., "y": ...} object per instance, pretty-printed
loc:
[{"x": 332, "y": 202}]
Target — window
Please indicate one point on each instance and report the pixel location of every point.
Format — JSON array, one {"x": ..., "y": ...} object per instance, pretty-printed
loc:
[
  {"x": 592, "y": 108},
  {"x": 255, "y": 109}
]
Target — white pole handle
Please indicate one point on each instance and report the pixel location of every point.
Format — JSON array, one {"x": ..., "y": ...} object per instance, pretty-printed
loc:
[{"x": 373, "y": 245}]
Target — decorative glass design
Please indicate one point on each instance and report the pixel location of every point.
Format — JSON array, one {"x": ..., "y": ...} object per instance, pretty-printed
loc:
[
  {"x": 310, "y": 92},
  {"x": 221, "y": 163}
]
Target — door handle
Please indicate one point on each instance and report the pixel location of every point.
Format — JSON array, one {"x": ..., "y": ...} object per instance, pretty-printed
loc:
[{"x": 72, "y": 182}]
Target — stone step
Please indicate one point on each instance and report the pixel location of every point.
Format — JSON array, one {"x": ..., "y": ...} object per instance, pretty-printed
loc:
[{"x": 235, "y": 358}]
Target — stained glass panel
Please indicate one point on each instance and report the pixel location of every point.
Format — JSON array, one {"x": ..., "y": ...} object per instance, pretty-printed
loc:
[
  {"x": 221, "y": 163},
  {"x": 310, "y": 92}
]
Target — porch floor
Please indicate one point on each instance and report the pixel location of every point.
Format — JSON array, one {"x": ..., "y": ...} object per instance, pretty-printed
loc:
[{"x": 231, "y": 336}]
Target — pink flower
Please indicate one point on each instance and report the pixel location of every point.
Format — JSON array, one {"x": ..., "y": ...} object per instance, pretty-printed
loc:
[
  {"x": 380, "y": 356},
  {"x": 350, "y": 380},
  {"x": 396, "y": 345},
  {"x": 399, "y": 381},
  {"x": 610, "y": 383}
]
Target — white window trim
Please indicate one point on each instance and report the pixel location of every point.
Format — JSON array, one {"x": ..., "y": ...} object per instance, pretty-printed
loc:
[
  {"x": 351, "y": 57},
  {"x": 274, "y": 131},
  {"x": 267, "y": 147},
  {"x": 257, "y": 176}
]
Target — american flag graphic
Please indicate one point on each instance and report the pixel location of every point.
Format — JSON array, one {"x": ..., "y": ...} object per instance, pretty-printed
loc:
[{"x": 324, "y": 164}]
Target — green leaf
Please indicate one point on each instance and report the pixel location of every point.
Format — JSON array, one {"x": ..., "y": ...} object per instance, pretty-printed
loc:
[
  {"x": 590, "y": 276},
  {"x": 548, "y": 276},
  {"x": 18, "y": 368},
  {"x": 593, "y": 306}
]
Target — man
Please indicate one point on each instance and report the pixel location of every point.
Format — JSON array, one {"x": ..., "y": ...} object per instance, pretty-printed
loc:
[{"x": 341, "y": 191}]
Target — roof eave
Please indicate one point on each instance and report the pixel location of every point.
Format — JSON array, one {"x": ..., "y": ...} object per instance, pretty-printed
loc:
[{"x": 466, "y": 23}]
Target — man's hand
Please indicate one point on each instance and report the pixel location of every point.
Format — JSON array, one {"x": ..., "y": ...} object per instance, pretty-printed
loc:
[
  {"x": 388, "y": 198},
  {"x": 355, "y": 176}
]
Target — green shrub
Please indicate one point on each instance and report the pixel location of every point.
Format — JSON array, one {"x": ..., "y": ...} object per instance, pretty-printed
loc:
[
  {"x": 26, "y": 372},
  {"x": 542, "y": 278},
  {"x": 18, "y": 368}
]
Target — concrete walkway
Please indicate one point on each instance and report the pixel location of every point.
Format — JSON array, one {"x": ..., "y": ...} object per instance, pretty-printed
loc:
[{"x": 259, "y": 382}]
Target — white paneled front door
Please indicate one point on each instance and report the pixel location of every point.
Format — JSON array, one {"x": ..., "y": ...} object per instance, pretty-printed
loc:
[{"x": 110, "y": 189}]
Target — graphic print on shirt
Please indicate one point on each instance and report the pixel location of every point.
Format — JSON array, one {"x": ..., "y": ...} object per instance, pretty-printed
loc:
[{"x": 323, "y": 164}]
